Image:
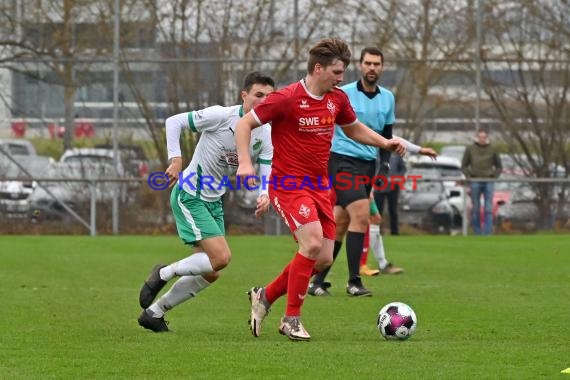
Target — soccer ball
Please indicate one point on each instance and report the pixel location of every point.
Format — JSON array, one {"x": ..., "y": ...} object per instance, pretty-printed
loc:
[{"x": 396, "y": 321}]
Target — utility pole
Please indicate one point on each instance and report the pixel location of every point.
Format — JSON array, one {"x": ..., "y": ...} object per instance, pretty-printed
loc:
[
  {"x": 478, "y": 67},
  {"x": 296, "y": 39},
  {"x": 115, "y": 203}
]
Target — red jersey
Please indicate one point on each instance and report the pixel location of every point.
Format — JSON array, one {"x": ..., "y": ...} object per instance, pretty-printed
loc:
[{"x": 302, "y": 127}]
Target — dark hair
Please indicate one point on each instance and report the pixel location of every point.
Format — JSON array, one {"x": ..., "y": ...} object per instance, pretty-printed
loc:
[
  {"x": 373, "y": 51},
  {"x": 326, "y": 51},
  {"x": 256, "y": 77},
  {"x": 483, "y": 130}
]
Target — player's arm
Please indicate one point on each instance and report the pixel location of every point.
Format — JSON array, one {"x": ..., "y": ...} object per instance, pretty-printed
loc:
[
  {"x": 174, "y": 126},
  {"x": 384, "y": 155},
  {"x": 244, "y": 127},
  {"x": 413, "y": 148},
  {"x": 387, "y": 133},
  {"x": 264, "y": 161},
  {"x": 364, "y": 135},
  {"x": 204, "y": 120},
  {"x": 383, "y": 159},
  {"x": 263, "y": 198}
]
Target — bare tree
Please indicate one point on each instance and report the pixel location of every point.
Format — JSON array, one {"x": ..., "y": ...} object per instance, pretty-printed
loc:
[
  {"x": 527, "y": 81},
  {"x": 424, "y": 42},
  {"x": 46, "y": 41},
  {"x": 206, "y": 47}
]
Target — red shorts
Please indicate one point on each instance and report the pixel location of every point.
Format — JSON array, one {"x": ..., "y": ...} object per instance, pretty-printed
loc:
[{"x": 300, "y": 207}]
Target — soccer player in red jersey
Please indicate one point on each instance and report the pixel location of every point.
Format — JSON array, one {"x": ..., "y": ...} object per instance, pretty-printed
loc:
[{"x": 303, "y": 116}]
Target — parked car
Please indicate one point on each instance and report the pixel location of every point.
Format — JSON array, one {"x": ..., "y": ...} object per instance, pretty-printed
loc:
[
  {"x": 428, "y": 207},
  {"x": 101, "y": 160},
  {"x": 455, "y": 151},
  {"x": 18, "y": 147},
  {"x": 503, "y": 191},
  {"x": 15, "y": 194},
  {"x": 88, "y": 156},
  {"x": 521, "y": 210},
  {"x": 519, "y": 165},
  {"x": 134, "y": 158},
  {"x": 45, "y": 208},
  {"x": 76, "y": 195},
  {"x": 443, "y": 167}
]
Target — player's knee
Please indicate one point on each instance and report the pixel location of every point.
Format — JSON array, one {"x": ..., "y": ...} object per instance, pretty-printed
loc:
[
  {"x": 211, "y": 277},
  {"x": 323, "y": 263},
  {"x": 341, "y": 231},
  {"x": 359, "y": 213},
  {"x": 313, "y": 246},
  {"x": 339, "y": 236},
  {"x": 220, "y": 260},
  {"x": 359, "y": 222}
]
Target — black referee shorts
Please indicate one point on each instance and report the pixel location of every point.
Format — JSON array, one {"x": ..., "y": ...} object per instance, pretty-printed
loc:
[{"x": 351, "y": 178}]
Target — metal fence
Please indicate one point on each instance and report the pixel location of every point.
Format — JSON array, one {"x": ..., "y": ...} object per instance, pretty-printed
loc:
[{"x": 84, "y": 206}]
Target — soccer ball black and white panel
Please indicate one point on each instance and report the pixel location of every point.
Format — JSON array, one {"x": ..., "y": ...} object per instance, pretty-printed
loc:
[{"x": 397, "y": 321}]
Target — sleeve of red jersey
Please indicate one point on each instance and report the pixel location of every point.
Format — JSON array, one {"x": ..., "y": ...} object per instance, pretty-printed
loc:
[
  {"x": 271, "y": 108},
  {"x": 345, "y": 116}
]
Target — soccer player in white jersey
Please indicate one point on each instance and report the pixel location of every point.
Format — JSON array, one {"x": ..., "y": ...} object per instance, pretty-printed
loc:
[{"x": 196, "y": 199}]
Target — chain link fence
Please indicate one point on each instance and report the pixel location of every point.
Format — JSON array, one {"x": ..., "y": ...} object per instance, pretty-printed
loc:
[
  {"x": 91, "y": 72},
  {"x": 83, "y": 206}
]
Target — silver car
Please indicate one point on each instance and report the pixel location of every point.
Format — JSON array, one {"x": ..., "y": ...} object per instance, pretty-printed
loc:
[{"x": 15, "y": 194}]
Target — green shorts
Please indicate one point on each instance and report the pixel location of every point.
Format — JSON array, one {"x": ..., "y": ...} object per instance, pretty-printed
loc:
[{"x": 196, "y": 219}]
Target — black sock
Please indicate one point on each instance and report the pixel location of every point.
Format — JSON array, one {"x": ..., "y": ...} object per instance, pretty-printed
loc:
[
  {"x": 320, "y": 277},
  {"x": 354, "y": 245}
]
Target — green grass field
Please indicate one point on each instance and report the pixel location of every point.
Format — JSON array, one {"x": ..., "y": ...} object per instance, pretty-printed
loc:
[{"x": 488, "y": 308}]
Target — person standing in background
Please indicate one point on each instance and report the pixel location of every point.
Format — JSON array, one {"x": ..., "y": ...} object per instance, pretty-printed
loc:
[
  {"x": 391, "y": 195},
  {"x": 482, "y": 160}
]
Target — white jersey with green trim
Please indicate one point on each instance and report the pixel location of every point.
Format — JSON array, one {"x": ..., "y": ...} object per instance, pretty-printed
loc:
[{"x": 215, "y": 158}]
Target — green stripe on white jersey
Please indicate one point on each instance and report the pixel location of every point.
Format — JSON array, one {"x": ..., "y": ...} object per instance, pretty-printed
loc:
[{"x": 216, "y": 154}]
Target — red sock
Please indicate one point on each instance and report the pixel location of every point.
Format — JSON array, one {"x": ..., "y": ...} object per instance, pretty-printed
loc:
[
  {"x": 278, "y": 286},
  {"x": 299, "y": 277},
  {"x": 365, "y": 246}
]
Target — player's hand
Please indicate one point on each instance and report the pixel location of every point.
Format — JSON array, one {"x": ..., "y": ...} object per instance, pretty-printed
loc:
[
  {"x": 262, "y": 205},
  {"x": 246, "y": 170},
  {"x": 396, "y": 146},
  {"x": 375, "y": 218},
  {"x": 173, "y": 170},
  {"x": 428, "y": 152}
]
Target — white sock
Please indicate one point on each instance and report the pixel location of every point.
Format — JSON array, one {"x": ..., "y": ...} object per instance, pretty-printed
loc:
[
  {"x": 185, "y": 288},
  {"x": 195, "y": 264},
  {"x": 377, "y": 245},
  {"x": 156, "y": 310}
]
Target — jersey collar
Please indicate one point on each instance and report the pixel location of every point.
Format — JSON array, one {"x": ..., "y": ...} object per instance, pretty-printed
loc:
[
  {"x": 371, "y": 95},
  {"x": 304, "y": 84}
]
